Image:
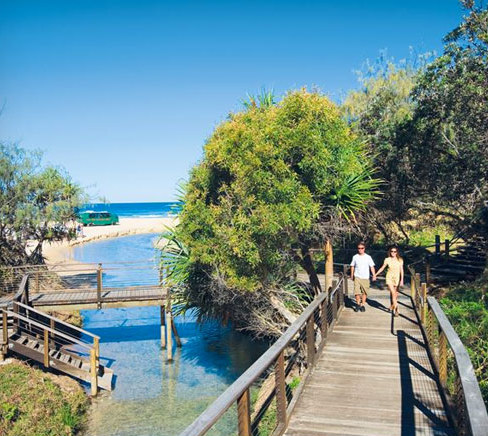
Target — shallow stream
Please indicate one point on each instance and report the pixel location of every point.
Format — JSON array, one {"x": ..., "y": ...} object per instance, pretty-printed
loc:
[{"x": 153, "y": 397}]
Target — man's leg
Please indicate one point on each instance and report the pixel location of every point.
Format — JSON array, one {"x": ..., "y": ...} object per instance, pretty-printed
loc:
[
  {"x": 357, "y": 293},
  {"x": 364, "y": 293}
]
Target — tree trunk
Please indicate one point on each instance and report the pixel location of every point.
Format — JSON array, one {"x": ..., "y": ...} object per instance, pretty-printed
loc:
[{"x": 307, "y": 264}]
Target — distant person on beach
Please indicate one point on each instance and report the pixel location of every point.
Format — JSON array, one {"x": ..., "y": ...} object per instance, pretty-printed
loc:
[
  {"x": 394, "y": 276},
  {"x": 361, "y": 266},
  {"x": 79, "y": 230}
]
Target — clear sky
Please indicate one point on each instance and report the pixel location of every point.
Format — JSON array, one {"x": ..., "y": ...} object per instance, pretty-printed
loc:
[{"x": 124, "y": 93}]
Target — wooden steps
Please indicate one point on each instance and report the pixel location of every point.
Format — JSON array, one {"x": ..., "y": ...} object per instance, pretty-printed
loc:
[{"x": 59, "y": 359}]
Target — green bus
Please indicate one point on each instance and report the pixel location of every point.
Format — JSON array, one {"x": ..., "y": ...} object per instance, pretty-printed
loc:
[{"x": 102, "y": 218}]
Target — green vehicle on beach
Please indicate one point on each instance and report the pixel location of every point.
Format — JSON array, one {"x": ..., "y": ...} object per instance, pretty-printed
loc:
[{"x": 102, "y": 218}]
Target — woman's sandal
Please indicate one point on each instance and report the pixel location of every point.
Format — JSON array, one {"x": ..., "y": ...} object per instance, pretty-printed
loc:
[{"x": 395, "y": 311}]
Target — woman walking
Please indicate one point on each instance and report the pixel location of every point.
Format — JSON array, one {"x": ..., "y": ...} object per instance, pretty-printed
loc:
[{"x": 394, "y": 276}]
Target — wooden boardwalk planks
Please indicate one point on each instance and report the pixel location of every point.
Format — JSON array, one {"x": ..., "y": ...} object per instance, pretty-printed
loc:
[
  {"x": 115, "y": 297},
  {"x": 374, "y": 378}
]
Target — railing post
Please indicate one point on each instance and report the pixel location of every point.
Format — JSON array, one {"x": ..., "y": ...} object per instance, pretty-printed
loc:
[
  {"x": 437, "y": 245},
  {"x": 334, "y": 302},
  {"x": 427, "y": 272},
  {"x": 52, "y": 325},
  {"x": 324, "y": 328},
  {"x": 4, "y": 348},
  {"x": 96, "y": 346},
  {"x": 280, "y": 390},
  {"x": 346, "y": 283},
  {"x": 93, "y": 372},
  {"x": 412, "y": 286},
  {"x": 244, "y": 414},
  {"x": 310, "y": 342},
  {"x": 446, "y": 247},
  {"x": 99, "y": 286},
  {"x": 46, "y": 348},
  {"x": 442, "y": 357},
  {"x": 38, "y": 285},
  {"x": 329, "y": 265},
  {"x": 425, "y": 306}
]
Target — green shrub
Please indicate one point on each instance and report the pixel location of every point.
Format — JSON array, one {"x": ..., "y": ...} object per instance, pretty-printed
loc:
[{"x": 468, "y": 313}]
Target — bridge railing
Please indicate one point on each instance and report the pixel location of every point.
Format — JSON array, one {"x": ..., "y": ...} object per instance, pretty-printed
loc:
[
  {"x": 453, "y": 365},
  {"x": 264, "y": 396}
]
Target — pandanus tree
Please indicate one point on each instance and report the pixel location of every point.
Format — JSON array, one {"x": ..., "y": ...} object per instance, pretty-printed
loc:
[{"x": 273, "y": 181}]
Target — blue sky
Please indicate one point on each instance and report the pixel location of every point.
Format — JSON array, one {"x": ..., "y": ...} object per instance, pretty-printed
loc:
[{"x": 123, "y": 94}]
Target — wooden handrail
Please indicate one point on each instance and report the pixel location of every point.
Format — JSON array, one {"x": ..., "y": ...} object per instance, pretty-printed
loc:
[
  {"x": 57, "y": 320},
  {"x": 49, "y": 329},
  {"x": 475, "y": 407},
  {"x": 236, "y": 391}
]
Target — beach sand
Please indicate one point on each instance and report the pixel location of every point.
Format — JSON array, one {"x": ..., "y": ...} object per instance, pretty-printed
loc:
[{"x": 60, "y": 252}]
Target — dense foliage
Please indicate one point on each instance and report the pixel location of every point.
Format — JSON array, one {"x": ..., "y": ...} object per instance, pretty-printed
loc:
[
  {"x": 380, "y": 112},
  {"x": 274, "y": 180},
  {"x": 468, "y": 312},
  {"x": 36, "y": 203}
]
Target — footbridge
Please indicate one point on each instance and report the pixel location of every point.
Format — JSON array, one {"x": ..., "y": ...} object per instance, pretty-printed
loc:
[{"x": 338, "y": 372}]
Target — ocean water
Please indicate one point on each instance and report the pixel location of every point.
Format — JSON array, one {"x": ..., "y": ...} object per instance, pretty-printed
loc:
[
  {"x": 136, "y": 210},
  {"x": 153, "y": 397}
]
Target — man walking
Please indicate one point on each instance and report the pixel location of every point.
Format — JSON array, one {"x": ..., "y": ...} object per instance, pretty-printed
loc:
[{"x": 361, "y": 265}]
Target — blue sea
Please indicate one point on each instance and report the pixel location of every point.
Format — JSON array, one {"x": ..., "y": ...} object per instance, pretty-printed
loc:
[{"x": 136, "y": 210}]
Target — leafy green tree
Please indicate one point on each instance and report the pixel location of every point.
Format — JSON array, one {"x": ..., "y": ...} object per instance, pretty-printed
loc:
[
  {"x": 36, "y": 203},
  {"x": 274, "y": 181},
  {"x": 380, "y": 112},
  {"x": 451, "y": 120}
]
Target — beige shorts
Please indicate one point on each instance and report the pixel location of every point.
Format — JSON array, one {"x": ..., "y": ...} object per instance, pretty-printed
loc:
[{"x": 361, "y": 286}]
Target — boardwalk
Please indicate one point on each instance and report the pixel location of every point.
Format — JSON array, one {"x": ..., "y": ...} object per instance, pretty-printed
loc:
[{"x": 374, "y": 378}]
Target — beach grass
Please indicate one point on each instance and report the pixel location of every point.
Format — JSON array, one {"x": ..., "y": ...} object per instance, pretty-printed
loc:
[{"x": 34, "y": 403}]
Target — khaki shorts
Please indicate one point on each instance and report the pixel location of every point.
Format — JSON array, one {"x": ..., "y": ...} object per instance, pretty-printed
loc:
[{"x": 361, "y": 286}]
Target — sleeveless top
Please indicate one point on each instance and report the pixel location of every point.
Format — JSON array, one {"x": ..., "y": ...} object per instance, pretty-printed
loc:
[{"x": 394, "y": 266}]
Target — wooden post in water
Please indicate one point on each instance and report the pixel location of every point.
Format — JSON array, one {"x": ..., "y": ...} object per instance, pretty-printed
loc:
[
  {"x": 175, "y": 333},
  {"x": 169, "y": 338},
  {"x": 163, "y": 326},
  {"x": 329, "y": 265},
  {"x": 99, "y": 286}
]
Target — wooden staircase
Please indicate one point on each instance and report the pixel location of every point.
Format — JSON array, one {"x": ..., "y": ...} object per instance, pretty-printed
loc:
[
  {"x": 32, "y": 334},
  {"x": 465, "y": 262}
]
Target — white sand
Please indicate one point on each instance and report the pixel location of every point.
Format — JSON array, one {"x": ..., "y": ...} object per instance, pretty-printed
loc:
[{"x": 61, "y": 252}]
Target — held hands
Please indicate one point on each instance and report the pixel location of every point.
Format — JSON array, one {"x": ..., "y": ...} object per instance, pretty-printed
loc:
[{"x": 374, "y": 277}]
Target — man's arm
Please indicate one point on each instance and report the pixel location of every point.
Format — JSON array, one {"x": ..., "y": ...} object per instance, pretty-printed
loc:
[
  {"x": 373, "y": 271},
  {"x": 352, "y": 272}
]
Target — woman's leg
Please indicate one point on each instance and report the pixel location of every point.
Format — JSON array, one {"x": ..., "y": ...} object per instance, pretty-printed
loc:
[
  {"x": 391, "y": 288},
  {"x": 395, "y": 299}
]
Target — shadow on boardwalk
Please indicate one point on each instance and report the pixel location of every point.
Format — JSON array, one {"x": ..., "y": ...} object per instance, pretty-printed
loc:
[{"x": 374, "y": 378}]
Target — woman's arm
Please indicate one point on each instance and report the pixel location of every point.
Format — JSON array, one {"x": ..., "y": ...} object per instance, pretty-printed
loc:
[
  {"x": 401, "y": 274},
  {"x": 381, "y": 269}
]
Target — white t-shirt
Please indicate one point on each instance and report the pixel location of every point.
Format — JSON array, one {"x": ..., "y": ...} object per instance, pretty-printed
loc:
[{"x": 362, "y": 264}]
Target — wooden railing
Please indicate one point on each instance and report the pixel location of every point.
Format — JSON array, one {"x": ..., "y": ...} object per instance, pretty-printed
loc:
[
  {"x": 452, "y": 362},
  {"x": 19, "y": 318},
  {"x": 267, "y": 392}
]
